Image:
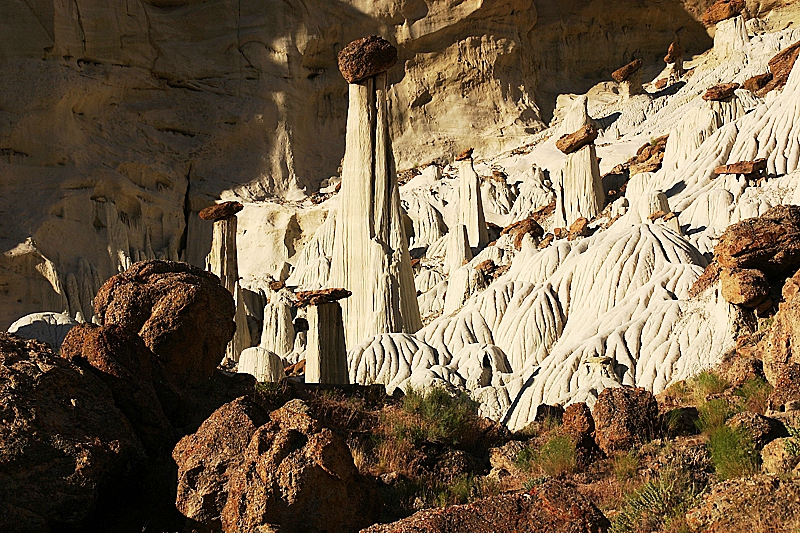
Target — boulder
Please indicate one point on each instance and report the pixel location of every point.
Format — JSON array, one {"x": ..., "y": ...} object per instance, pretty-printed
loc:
[
  {"x": 366, "y": 57},
  {"x": 779, "y": 349},
  {"x": 466, "y": 154},
  {"x": 62, "y": 440},
  {"x": 748, "y": 168},
  {"x": 518, "y": 230},
  {"x": 49, "y": 328},
  {"x": 220, "y": 211},
  {"x": 757, "y": 82},
  {"x": 296, "y": 476},
  {"x": 747, "y": 504},
  {"x": 554, "y": 506},
  {"x": 760, "y": 428},
  {"x": 122, "y": 361},
  {"x": 183, "y": 314},
  {"x": 304, "y": 298},
  {"x": 573, "y": 142},
  {"x": 579, "y": 228},
  {"x": 780, "y": 456},
  {"x": 674, "y": 53},
  {"x": 723, "y": 10},
  {"x": 747, "y": 287},
  {"x": 623, "y": 73},
  {"x": 262, "y": 364},
  {"x": 207, "y": 459},
  {"x": 720, "y": 92},
  {"x": 780, "y": 66},
  {"x": 624, "y": 417},
  {"x": 770, "y": 243},
  {"x": 578, "y": 421}
]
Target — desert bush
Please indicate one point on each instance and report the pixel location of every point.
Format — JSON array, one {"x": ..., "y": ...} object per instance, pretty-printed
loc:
[
  {"x": 555, "y": 457},
  {"x": 733, "y": 452},
  {"x": 435, "y": 415},
  {"x": 626, "y": 466},
  {"x": 658, "y": 504},
  {"x": 707, "y": 383},
  {"x": 754, "y": 394},
  {"x": 713, "y": 415}
]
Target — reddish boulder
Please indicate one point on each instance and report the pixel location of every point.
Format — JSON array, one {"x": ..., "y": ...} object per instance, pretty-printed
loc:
[
  {"x": 779, "y": 349},
  {"x": 624, "y": 417},
  {"x": 220, "y": 211},
  {"x": 62, "y": 440},
  {"x": 304, "y": 298},
  {"x": 123, "y": 362},
  {"x": 518, "y": 230},
  {"x": 366, "y": 57},
  {"x": 770, "y": 243},
  {"x": 746, "y": 287},
  {"x": 723, "y": 10},
  {"x": 748, "y": 168},
  {"x": 674, "y": 53},
  {"x": 579, "y": 228},
  {"x": 720, "y": 92},
  {"x": 757, "y": 82},
  {"x": 297, "y": 476},
  {"x": 554, "y": 506},
  {"x": 575, "y": 141},
  {"x": 780, "y": 67},
  {"x": 623, "y": 73},
  {"x": 183, "y": 314},
  {"x": 578, "y": 421},
  {"x": 207, "y": 459},
  {"x": 466, "y": 154}
]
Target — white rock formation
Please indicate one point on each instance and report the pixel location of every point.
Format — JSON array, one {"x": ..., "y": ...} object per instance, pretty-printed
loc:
[
  {"x": 458, "y": 249},
  {"x": 262, "y": 364},
  {"x": 326, "y": 355},
  {"x": 579, "y": 190},
  {"x": 370, "y": 252},
  {"x": 49, "y": 328},
  {"x": 278, "y": 335},
  {"x": 471, "y": 215}
]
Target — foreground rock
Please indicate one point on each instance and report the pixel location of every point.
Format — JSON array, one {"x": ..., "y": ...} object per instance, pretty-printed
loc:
[
  {"x": 624, "y": 417},
  {"x": 243, "y": 471},
  {"x": 745, "y": 287},
  {"x": 62, "y": 440},
  {"x": 779, "y": 349},
  {"x": 554, "y": 506},
  {"x": 122, "y": 361},
  {"x": 183, "y": 314},
  {"x": 207, "y": 459},
  {"x": 770, "y": 243},
  {"x": 748, "y": 504},
  {"x": 780, "y": 67}
]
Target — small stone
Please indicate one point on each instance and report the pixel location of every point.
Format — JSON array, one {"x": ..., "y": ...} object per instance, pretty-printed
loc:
[
  {"x": 366, "y": 57},
  {"x": 220, "y": 211},
  {"x": 723, "y": 10},
  {"x": 546, "y": 241},
  {"x": 524, "y": 227},
  {"x": 622, "y": 74},
  {"x": 575, "y": 141},
  {"x": 579, "y": 228},
  {"x": 662, "y": 83},
  {"x": 720, "y": 92},
  {"x": 559, "y": 233}
]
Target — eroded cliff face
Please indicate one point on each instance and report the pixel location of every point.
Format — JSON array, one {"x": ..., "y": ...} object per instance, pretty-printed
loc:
[{"x": 120, "y": 120}]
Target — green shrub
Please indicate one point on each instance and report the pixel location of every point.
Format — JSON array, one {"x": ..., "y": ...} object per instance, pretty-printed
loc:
[
  {"x": 707, "y": 383},
  {"x": 626, "y": 466},
  {"x": 754, "y": 393},
  {"x": 435, "y": 415},
  {"x": 732, "y": 452},
  {"x": 660, "y": 503},
  {"x": 713, "y": 415},
  {"x": 555, "y": 457}
]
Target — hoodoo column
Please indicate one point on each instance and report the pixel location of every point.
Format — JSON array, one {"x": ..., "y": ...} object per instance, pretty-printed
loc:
[{"x": 370, "y": 255}]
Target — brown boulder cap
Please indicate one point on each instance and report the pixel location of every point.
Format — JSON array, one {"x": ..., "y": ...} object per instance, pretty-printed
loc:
[
  {"x": 220, "y": 211},
  {"x": 622, "y": 74},
  {"x": 366, "y": 57}
]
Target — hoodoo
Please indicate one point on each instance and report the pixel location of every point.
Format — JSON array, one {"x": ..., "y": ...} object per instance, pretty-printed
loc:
[
  {"x": 472, "y": 215},
  {"x": 580, "y": 191},
  {"x": 629, "y": 78},
  {"x": 370, "y": 252},
  {"x": 223, "y": 261},
  {"x": 326, "y": 357},
  {"x": 674, "y": 61}
]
